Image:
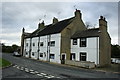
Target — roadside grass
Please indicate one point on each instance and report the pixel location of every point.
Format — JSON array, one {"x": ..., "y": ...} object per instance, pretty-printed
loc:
[
  {"x": 4, "y": 63},
  {"x": 111, "y": 68}
]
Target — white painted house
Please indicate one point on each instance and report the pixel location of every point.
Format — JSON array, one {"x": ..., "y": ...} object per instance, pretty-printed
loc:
[{"x": 68, "y": 39}]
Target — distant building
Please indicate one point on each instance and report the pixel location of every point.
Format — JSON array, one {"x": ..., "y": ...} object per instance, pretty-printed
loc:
[{"x": 68, "y": 39}]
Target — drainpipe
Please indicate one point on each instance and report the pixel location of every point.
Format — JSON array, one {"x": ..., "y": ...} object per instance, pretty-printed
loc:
[
  {"x": 97, "y": 52},
  {"x": 38, "y": 47},
  {"x": 30, "y": 48},
  {"x": 49, "y": 47}
]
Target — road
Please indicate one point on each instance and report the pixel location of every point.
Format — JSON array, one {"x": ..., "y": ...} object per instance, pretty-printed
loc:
[{"x": 28, "y": 68}]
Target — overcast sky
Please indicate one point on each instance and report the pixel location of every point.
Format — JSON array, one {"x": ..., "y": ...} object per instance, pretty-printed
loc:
[{"x": 16, "y": 15}]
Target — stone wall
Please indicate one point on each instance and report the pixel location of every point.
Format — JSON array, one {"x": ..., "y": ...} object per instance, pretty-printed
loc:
[{"x": 84, "y": 64}]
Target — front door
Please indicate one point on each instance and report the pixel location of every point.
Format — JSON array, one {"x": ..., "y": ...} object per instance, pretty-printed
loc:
[{"x": 63, "y": 59}]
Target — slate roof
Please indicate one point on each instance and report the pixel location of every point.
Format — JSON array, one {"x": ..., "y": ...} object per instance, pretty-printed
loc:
[
  {"x": 52, "y": 28},
  {"x": 56, "y": 28},
  {"x": 87, "y": 33}
]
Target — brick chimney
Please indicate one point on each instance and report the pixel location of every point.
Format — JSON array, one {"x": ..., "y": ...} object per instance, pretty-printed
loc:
[
  {"x": 55, "y": 20},
  {"x": 78, "y": 14}
]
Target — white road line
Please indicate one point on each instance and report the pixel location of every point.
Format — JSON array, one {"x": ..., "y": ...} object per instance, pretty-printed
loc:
[
  {"x": 43, "y": 74},
  {"x": 57, "y": 77},
  {"x": 18, "y": 67},
  {"x": 47, "y": 76},
  {"x": 15, "y": 66},
  {"x": 39, "y": 75},
  {"x": 31, "y": 70},
  {"x": 26, "y": 68},
  {"x": 36, "y": 72},
  {"x": 51, "y": 76},
  {"x": 26, "y": 71}
]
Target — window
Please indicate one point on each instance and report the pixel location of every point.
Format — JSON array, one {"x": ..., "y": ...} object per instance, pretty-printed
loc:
[
  {"x": 72, "y": 56},
  {"x": 82, "y": 42},
  {"x": 74, "y": 41},
  {"x": 26, "y": 44},
  {"x": 32, "y": 53},
  {"x": 41, "y": 43},
  {"x": 82, "y": 56},
  {"x": 26, "y": 53},
  {"x": 41, "y": 54},
  {"x": 33, "y": 44},
  {"x": 51, "y": 43},
  {"x": 52, "y": 56}
]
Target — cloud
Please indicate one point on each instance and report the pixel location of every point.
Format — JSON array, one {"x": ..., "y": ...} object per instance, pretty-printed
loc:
[{"x": 16, "y": 15}]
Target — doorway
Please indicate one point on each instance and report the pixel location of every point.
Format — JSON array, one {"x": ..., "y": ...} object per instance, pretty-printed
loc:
[{"x": 63, "y": 57}]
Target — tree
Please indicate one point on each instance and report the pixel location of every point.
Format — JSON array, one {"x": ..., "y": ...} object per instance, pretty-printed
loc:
[{"x": 115, "y": 51}]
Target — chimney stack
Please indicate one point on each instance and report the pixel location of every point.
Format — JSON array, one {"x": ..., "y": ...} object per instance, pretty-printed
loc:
[
  {"x": 55, "y": 20},
  {"x": 103, "y": 23},
  {"x": 41, "y": 25},
  {"x": 78, "y": 14}
]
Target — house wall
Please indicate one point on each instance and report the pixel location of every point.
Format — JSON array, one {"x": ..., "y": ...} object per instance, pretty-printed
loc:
[
  {"x": 45, "y": 49},
  {"x": 55, "y": 49},
  {"x": 34, "y": 49},
  {"x": 76, "y": 25},
  {"x": 92, "y": 49},
  {"x": 26, "y": 48}
]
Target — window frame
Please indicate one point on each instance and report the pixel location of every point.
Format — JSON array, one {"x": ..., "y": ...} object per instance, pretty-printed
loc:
[
  {"x": 40, "y": 54},
  {"x": 53, "y": 57},
  {"x": 33, "y": 54},
  {"x": 26, "y": 44},
  {"x": 41, "y": 44},
  {"x": 51, "y": 43},
  {"x": 82, "y": 56},
  {"x": 83, "y": 42},
  {"x": 33, "y": 44},
  {"x": 74, "y": 41},
  {"x": 73, "y": 57}
]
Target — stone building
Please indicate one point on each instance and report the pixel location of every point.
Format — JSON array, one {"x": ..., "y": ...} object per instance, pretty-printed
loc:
[{"x": 68, "y": 39}]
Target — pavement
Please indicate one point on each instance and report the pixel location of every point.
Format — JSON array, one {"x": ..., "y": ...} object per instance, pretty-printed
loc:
[{"x": 28, "y": 68}]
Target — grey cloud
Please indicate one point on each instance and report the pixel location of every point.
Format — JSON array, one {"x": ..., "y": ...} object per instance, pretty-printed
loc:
[{"x": 16, "y": 15}]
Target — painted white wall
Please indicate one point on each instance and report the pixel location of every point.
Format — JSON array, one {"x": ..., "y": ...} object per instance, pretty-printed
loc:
[
  {"x": 92, "y": 49},
  {"x": 26, "y": 48},
  {"x": 56, "y": 49},
  {"x": 45, "y": 49},
  {"x": 34, "y": 48}
]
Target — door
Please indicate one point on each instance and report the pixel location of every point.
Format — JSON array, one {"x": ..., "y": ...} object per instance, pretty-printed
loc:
[{"x": 63, "y": 59}]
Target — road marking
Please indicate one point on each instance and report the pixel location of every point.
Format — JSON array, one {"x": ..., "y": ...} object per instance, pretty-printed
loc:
[
  {"x": 31, "y": 70},
  {"x": 39, "y": 75},
  {"x": 15, "y": 66},
  {"x": 57, "y": 77},
  {"x": 47, "y": 76},
  {"x": 18, "y": 67},
  {"x": 26, "y": 71},
  {"x": 21, "y": 69},
  {"x": 36, "y": 72},
  {"x": 43, "y": 74}
]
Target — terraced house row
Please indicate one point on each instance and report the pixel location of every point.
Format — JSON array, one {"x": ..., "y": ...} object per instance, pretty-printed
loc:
[{"x": 68, "y": 39}]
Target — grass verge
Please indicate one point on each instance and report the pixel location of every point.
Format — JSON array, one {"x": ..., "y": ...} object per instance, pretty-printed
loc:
[{"x": 4, "y": 63}]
